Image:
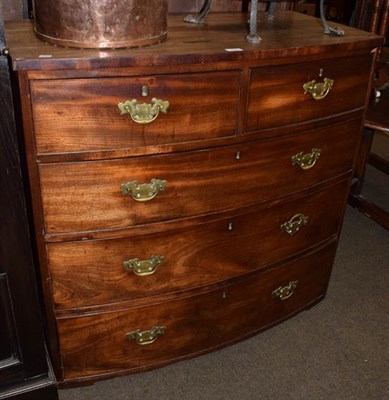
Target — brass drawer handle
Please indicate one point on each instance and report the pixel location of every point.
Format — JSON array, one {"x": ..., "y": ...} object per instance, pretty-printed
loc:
[
  {"x": 292, "y": 226},
  {"x": 284, "y": 292},
  {"x": 318, "y": 90},
  {"x": 143, "y": 267},
  {"x": 143, "y": 113},
  {"x": 146, "y": 337},
  {"x": 143, "y": 191},
  {"x": 306, "y": 160}
]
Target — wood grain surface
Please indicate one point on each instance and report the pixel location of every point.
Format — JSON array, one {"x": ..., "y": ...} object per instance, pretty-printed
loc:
[
  {"x": 83, "y": 115},
  {"x": 97, "y": 344},
  {"x": 291, "y": 35},
  {"x": 88, "y": 273},
  {"x": 85, "y": 197}
]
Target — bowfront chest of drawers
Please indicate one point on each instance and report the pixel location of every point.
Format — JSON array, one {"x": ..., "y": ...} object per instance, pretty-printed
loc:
[{"x": 187, "y": 195}]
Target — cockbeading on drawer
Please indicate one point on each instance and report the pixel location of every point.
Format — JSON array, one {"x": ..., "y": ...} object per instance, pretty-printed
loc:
[
  {"x": 296, "y": 94},
  {"x": 166, "y": 331},
  {"x": 78, "y": 115},
  {"x": 83, "y": 197},
  {"x": 95, "y": 272}
]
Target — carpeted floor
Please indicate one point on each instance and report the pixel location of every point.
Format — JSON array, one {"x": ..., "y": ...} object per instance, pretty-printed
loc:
[{"x": 338, "y": 350}]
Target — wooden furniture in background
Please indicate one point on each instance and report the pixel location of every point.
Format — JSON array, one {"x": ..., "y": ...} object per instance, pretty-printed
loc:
[
  {"x": 338, "y": 10},
  {"x": 186, "y": 195},
  {"x": 373, "y": 16},
  {"x": 25, "y": 371},
  {"x": 305, "y": 7},
  {"x": 376, "y": 122},
  {"x": 185, "y": 6},
  {"x": 193, "y": 6}
]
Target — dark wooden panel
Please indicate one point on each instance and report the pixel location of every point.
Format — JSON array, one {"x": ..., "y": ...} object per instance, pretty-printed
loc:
[
  {"x": 16, "y": 259},
  {"x": 37, "y": 392},
  {"x": 15, "y": 250},
  {"x": 9, "y": 348}
]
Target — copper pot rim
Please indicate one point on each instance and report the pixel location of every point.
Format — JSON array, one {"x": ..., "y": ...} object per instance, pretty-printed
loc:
[{"x": 130, "y": 43}]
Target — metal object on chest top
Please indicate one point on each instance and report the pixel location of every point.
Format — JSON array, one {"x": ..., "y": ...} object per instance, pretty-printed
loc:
[
  {"x": 253, "y": 36},
  {"x": 101, "y": 23},
  {"x": 123, "y": 23}
]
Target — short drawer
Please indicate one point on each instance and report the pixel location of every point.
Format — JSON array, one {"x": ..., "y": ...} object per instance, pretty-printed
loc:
[
  {"x": 168, "y": 331},
  {"x": 277, "y": 96},
  {"x": 88, "y": 273},
  {"x": 86, "y": 196},
  {"x": 78, "y": 115}
]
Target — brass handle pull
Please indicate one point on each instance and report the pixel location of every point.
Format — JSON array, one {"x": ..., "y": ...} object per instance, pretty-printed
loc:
[
  {"x": 306, "y": 160},
  {"x": 292, "y": 226},
  {"x": 284, "y": 292},
  {"x": 143, "y": 191},
  {"x": 143, "y": 267},
  {"x": 143, "y": 113},
  {"x": 146, "y": 337},
  {"x": 318, "y": 90}
]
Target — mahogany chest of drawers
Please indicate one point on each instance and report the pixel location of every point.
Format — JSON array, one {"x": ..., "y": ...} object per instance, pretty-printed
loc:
[{"x": 187, "y": 195}]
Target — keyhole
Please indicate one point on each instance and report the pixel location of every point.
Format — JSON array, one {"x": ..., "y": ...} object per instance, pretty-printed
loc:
[
  {"x": 230, "y": 226},
  {"x": 321, "y": 72},
  {"x": 145, "y": 90}
]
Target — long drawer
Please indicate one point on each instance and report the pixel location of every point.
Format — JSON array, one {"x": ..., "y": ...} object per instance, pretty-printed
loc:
[
  {"x": 76, "y": 115},
  {"x": 93, "y": 272},
  {"x": 98, "y": 195},
  {"x": 166, "y": 331},
  {"x": 298, "y": 93}
]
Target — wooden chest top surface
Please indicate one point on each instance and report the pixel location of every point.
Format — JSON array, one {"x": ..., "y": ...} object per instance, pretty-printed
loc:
[{"x": 221, "y": 39}]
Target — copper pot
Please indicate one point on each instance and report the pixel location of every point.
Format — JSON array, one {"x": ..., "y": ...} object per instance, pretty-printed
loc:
[{"x": 101, "y": 23}]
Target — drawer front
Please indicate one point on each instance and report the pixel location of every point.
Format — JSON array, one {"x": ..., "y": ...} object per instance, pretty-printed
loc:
[
  {"x": 97, "y": 344},
  {"x": 74, "y": 115},
  {"x": 86, "y": 196},
  {"x": 95, "y": 272},
  {"x": 276, "y": 94}
]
